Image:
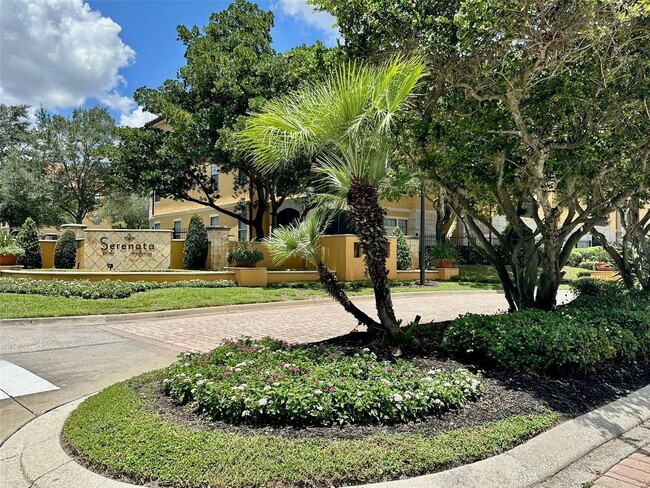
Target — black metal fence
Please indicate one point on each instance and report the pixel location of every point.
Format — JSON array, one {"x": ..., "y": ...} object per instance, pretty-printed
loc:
[
  {"x": 466, "y": 252},
  {"x": 180, "y": 234}
]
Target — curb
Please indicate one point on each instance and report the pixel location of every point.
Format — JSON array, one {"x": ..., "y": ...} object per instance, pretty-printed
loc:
[
  {"x": 33, "y": 456},
  {"x": 199, "y": 312}
]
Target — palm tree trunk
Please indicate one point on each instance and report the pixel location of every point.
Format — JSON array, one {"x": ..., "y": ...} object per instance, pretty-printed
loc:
[
  {"x": 332, "y": 286},
  {"x": 368, "y": 216}
]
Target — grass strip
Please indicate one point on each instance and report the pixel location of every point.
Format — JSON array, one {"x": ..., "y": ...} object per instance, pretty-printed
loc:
[
  {"x": 115, "y": 432},
  {"x": 30, "y": 306}
]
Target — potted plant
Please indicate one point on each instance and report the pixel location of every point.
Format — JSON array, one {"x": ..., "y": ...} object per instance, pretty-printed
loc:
[
  {"x": 443, "y": 254},
  {"x": 245, "y": 255},
  {"x": 602, "y": 266},
  {"x": 9, "y": 250}
]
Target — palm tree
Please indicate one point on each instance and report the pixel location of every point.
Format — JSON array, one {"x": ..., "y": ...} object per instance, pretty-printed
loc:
[
  {"x": 344, "y": 122},
  {"x": 303, "y": 239}
]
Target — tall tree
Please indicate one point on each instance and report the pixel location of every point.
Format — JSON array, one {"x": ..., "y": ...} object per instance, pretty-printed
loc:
[
  {"x": 123, "y": 206},
  {"x": 14, "y": 128},
  {"x": 534, "y": 108},
  {"x": 24, "y": 189},
  {"x": 75, "y": 153},
  {"x": 345, "y": 122},
  {"x": 230, "y": 69}
]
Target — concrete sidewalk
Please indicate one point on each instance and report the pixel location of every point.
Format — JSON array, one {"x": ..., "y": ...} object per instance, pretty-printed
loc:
[{"x": 33, "y": 457}]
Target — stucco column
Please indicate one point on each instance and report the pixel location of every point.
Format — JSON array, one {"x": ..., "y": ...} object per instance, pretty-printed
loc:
[{"x": 219, "y": 246}]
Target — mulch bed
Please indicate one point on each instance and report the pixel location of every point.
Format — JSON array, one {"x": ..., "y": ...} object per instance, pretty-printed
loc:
[{"x": 506, "y": 394}]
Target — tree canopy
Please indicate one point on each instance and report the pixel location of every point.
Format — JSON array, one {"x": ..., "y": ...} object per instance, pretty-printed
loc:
[{"x": 231, "y": 68}]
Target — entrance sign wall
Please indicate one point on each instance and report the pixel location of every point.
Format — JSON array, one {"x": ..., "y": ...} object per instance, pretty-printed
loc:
[{"x": 127, "y": 249}]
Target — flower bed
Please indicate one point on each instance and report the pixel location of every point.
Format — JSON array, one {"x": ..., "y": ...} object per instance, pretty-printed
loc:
[
  {"x": 98, "y": 289},
  {"x": 272, "y": 382}
]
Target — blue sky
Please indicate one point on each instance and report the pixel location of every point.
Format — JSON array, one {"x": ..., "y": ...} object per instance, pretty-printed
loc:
[{"x": 62, "y": 54}]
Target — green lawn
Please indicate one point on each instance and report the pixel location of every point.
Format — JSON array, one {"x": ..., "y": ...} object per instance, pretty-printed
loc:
[
  {"x": 25, "y": 306},
  {"x": 484, "y": 273},
  {"x": 115, "y": 430}
]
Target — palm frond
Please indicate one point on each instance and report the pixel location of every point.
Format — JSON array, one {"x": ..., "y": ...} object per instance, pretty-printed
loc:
[{"x": 299, "y": 239}]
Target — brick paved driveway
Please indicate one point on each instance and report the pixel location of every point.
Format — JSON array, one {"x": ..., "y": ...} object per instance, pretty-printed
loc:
[{"x": 305, "y": 323}]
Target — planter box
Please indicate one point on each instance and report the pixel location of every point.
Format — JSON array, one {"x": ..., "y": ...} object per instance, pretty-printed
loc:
[
  {"x": 250, "y": 276},
  {"x": 9, "y": 260},
  {"x": 602, "y": 267},
  {"x": 444, "y": 263}
]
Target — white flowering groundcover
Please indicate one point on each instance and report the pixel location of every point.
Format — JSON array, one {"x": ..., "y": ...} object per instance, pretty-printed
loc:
[{"x": 271, "y": 382}]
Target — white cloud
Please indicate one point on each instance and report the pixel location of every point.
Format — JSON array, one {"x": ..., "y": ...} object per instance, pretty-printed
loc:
[
  {"x": 299, "y": 9},
  {"x": 137, "y": 118},
  {"x": 60, "y": 53}
]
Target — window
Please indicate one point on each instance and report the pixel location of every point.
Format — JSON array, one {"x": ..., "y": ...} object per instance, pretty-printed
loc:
[
  {"x": 214, "y": 177},
  {"x": 394, "y": 223},
  {"x": 357, "y": 250},
  {"x": 242, "y": 179},
  {"x": 242, "y": 231},
  {"x": 214, "y": 220},
  {"x": 604, "y": 222},
  {"x": 156, "y": 197},
  {"x": 156, "y": 225},
  {"x": 177, "y": 229}
]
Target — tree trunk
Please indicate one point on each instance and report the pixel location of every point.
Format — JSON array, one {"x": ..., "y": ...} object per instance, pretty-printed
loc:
[
  {"x": 333, "y": 287},
  {"x": 368, "y": 216}
]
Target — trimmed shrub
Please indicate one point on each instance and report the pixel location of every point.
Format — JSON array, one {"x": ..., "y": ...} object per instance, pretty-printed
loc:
[
  {"x": 605, "y": 323},
  {"x": 403, "y": 251},
  {"x": 98, "y": 289},
  {"x": 587, "y": 264},
  {"x": 596, "y": 254},
  {"x": 195, "y": 251},
  {"x": 65, "y": 250},
  {"x": 271, "y": 382},
  {"x": 28, "y": 240}
]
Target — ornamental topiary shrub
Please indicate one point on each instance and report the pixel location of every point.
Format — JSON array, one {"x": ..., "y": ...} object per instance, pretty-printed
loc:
[
  {"x": 195, "y": 251},
  {"x": 65, "y": 250},
  {"x": 403, "y": 251},
  {"x": 28, "y": 240}
]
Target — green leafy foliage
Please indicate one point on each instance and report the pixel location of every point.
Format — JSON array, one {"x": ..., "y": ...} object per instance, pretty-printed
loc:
[
  {"x": 270, "y": 381},
  {"x": 595, "y": 254},
  {"x": 245, "y": 254},
  {"x": 98, "y": 289},
  {"x": 403, "y": 250},
  {"x": 28, "y": 240},
  {"x": 8, "y": 245},
  {"x": 604, "y": 324},
  {"x": 231, "y": 70},
  {"x": 195, "y": 251},
  {"x": 441, "y": 250},
  {"x": 65, "y": 251}
]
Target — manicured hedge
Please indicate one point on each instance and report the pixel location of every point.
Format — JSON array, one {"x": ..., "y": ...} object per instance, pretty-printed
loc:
[
  {"x": 271, "y": 382},
  {"x": 98, "y": 289},
  {"x": 604, "y": 324}
]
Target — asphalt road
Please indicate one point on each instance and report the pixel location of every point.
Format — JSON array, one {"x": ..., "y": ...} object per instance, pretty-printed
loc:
[{"x": 78, "y": 359}]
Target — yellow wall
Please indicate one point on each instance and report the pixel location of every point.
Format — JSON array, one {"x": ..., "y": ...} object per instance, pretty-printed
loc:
[{"x": 47, "y": 253}]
